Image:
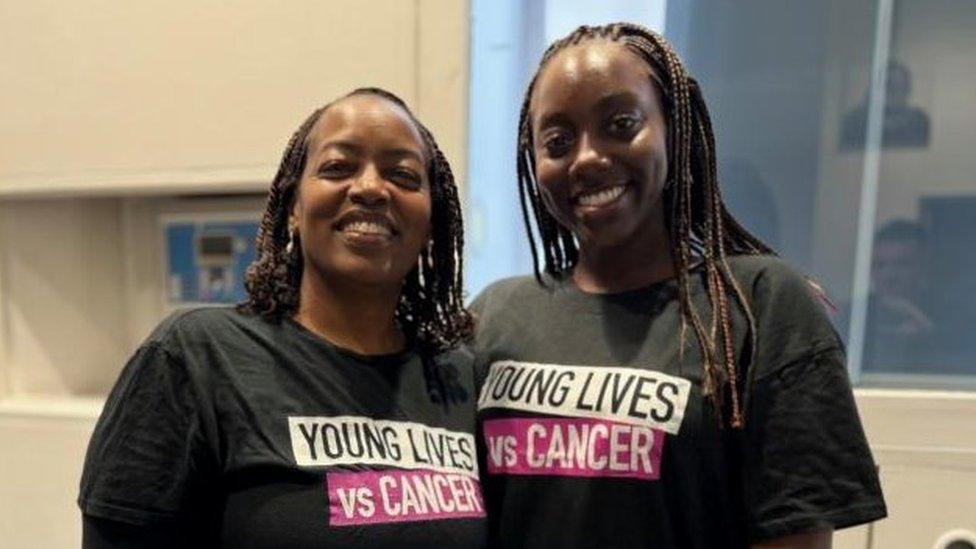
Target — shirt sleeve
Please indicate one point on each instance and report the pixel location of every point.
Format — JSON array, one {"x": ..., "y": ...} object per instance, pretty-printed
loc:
[
  {"x": 807, "y": 462},
  {"x": 147, "y": 461},
  {"x": 99, "y": 533}
]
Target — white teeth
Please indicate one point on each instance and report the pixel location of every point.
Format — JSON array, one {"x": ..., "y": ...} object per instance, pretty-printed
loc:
[
  {"x": 601, "y": 197},
  {"x": 367, "y": 227}
]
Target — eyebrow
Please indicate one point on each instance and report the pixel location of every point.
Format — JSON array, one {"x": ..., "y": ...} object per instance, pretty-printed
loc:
[
  {"x": 608, "y": 100},
  {"x": 403, "y": 153},
  {"x": 611, "y": 99},
  {"x": 551, "y": 119},
  {"x": 353, "y": 148}
]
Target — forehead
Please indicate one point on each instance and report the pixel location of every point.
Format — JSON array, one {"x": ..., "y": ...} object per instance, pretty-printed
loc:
[
  {"x": 369, "y": 121},
  {"x": 587, "y": 70}
]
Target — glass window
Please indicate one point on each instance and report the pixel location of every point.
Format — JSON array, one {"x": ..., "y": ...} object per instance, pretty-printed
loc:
[
  {"x": 844, "y": 131},
  {"x": 920, "y": 321}
]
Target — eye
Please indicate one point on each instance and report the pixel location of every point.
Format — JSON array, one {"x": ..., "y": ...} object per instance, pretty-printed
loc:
[
  {"x": 556, "y": 144},
  {"x": 405, "y": 177},
  {"x": 624, "y": 124},
  {"x": 337, "y": 169}
]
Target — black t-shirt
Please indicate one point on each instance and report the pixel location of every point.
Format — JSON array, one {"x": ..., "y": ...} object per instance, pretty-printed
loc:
[
  {"x": 594, "y": 431},
  {"x": 245, "y": 433}
]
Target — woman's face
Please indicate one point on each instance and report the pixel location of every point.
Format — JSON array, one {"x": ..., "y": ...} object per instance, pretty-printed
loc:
[
  {"x": 363, "y": 205},
  {"x": 599, "y": 139}
]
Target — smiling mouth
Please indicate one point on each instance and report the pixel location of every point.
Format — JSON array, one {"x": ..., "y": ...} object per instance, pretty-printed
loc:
[
  {"x": 367, "y": 228},
  {"x": 600, "y": 197}
]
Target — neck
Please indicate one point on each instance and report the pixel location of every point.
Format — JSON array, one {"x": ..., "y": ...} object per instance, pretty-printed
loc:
[
  {"x": 355, "y": 317},
  {"x": 640, "y": 262}
]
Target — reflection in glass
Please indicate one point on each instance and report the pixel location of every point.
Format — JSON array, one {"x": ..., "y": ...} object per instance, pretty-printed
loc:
[
  {"x": 905, "y": 125},
  {"x": 900, "y": 329},
  {"x": 950, "y": 266}
]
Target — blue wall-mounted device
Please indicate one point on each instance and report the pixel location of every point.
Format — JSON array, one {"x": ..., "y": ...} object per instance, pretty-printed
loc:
[{"x": 207, "y": 258}]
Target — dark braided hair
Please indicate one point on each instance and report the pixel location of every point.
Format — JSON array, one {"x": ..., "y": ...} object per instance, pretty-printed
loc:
[
  {"x": 430, "y": 311},
  {"x": 699, "y": 225}
]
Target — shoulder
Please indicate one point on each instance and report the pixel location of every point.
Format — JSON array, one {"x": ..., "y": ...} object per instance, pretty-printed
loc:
[
  {"x": 461, "y": 356},
  {"x": 790, "y": 310},
  {"x": 765, "y": 277},
  {"x": 509, "y": 286},
  {"x": 752, "y": 266},
  {"x": 506, "y": 307},
  {"x": 457, "y": 364},
  {"x": 504, "y": 292},
  {"x": 190, "y": 328}
]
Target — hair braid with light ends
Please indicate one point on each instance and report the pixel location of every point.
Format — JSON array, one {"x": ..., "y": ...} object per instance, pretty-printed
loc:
[
  {"x": 699, "y": 225},
  {"x": 430, "y": 310}
]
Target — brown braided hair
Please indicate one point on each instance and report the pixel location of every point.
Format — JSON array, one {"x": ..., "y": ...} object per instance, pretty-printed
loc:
[
  {"x": 699, "y": 225},
  {"x": 430, "y": 311}
]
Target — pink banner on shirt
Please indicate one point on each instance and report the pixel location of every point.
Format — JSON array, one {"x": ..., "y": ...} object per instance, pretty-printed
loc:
[
  {"x": 573, "y": 447},
  {"x": 398, "y": 495}
]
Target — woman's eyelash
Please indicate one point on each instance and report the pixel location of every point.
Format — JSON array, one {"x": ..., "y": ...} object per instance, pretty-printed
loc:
[
  {"x": 555, "y": 140},
  {"x": 408, "y": 177},
  {"x": 334, "y": 165},
  {"x": 624, "y": 121}
]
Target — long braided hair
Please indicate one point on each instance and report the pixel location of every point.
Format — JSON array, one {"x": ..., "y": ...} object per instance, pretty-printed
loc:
[
  {"x": 430, "y": 311},
  {"x": 699, "y": 225}
]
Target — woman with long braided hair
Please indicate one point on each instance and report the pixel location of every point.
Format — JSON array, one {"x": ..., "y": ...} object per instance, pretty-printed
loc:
[
  {"x": 334, "y": 408},
  {"x": 664, "y": 380}
]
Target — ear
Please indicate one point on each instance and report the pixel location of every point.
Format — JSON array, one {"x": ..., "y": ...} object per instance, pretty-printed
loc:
[
  {"x": 430, "y": 219},
  {"x": 296, "y": 211}
]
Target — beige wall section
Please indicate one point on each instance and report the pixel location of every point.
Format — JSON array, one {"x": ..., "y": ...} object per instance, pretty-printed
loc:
[
  {"x": 442, "y": 78},
  {"x": 40, "y": 467},
  {"x": 103, "y": 96},
  {"x": 925, "y": 444},
  {"x": 62, "y": 318},
  {"x": 156, "y": 86}
]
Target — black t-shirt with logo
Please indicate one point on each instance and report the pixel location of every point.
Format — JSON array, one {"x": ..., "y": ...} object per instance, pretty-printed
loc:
[
  {"x": 594, "y": 432},
  {"x": 245, "y": 433}
]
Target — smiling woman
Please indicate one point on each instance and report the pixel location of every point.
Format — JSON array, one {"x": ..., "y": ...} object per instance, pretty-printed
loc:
[
  {"x": 599, "y": 142},
  {"x": 364, "y": 158},
  {"x": 362, "y": 211},
  {"x": 298, "y": 418},
  {"x": 701, "y": 395}
]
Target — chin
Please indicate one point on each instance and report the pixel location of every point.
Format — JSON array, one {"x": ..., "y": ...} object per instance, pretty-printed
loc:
[
  {"x": 379, "y": 271},
  {"x": 608, "y": 235}
]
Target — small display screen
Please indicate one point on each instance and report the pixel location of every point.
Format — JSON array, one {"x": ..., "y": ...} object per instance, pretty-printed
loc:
[
  {"x": 207, "y": 259},
  {"x": 217, "y": 245}
]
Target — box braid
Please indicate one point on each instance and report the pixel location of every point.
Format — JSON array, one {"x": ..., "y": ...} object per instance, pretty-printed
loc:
[
  {"x": 431, "y": 309},
  {"x": 699, "y": 225}
]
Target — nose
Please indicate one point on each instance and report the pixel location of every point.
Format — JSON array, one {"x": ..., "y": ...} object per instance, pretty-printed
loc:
[
  {"x": 369, "y": 189},
  {"x": 590, "y": 163}
]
